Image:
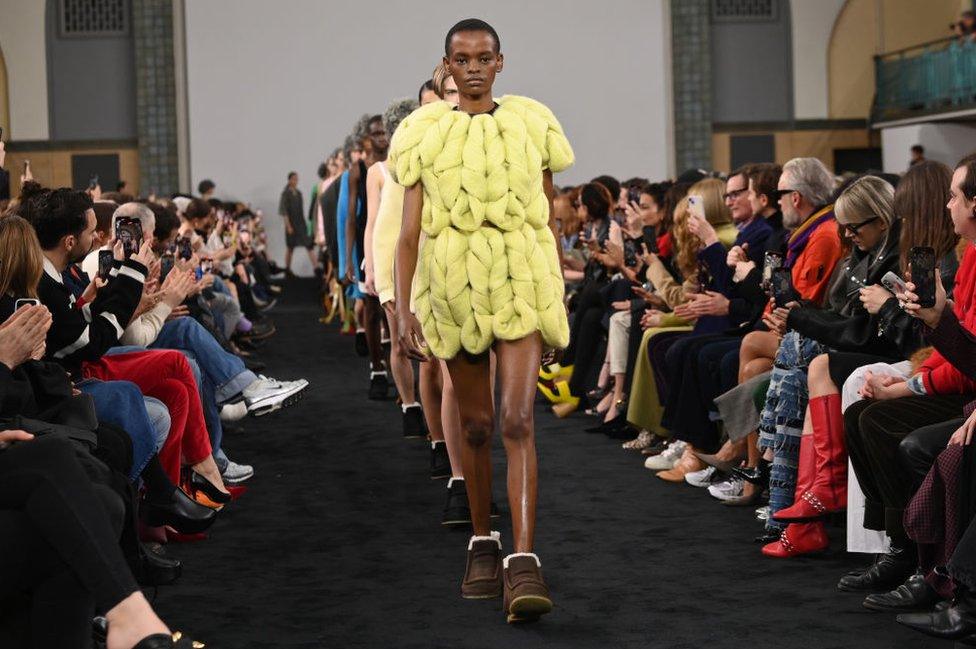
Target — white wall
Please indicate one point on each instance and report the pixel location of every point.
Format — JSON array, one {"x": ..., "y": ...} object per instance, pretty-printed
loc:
[
  {"x": 813, "y": 22},
  {"x": 946, "y": 143},
  {"x": 275, "y": 86},
  {"x": 22, "y": 40}
]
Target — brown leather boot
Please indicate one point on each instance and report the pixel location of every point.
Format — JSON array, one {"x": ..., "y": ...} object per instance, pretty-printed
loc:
[
  {"x": 483, "y": 573},
  {"x": 526, "y": 593}
]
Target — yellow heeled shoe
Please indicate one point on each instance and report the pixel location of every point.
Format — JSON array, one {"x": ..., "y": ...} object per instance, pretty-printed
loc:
[
  {"x": 557, "y": 393},
  {"x": 555, "y": 371}
]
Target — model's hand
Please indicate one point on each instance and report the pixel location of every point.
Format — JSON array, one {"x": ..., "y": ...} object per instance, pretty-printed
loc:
[
  {"x": 873, "y": 298},
  {"x": 412, "y": 336},
  {"x": 930, "y": 316}
]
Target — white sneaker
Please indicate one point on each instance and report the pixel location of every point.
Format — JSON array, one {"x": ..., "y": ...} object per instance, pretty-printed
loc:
[
  {"x": 728, "y": 490},
  {"x": 762, "y": 514},
  {"x": 700, "y": 479},
  {"x": 266, "y": 395},
  {"x": 667, "y": 459},
  {"x": 233, "y": 411},
  {"x": 237, "y": 473}
]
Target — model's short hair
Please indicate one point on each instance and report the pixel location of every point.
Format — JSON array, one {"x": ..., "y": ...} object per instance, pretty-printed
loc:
[
  {"x": 918, "y": 148},
  {"x": 292, "y": 174},
  {"x": 471, "y": 25},
  {"x": 396, "y": 112},
  {"x": 426, "y": 86},
  {"x": 205, "y": 186}
]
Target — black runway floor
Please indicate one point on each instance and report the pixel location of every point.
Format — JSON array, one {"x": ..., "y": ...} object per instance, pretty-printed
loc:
[{"x": 338, "y": 541}]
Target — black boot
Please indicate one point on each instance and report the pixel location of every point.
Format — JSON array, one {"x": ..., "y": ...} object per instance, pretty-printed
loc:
[
  {"x": 155, "y": 568},
  {"x": 440, "y": 463},
  {"x": 951, "y": 623},
  {"x": 889, "y": 571},
  {"x": 914, "y": 595},
  {"x": 379, "y": 385},
  {"x": 457, "y": 512},
  {"x": 758, "y": 475},
  {"x": 414, "y": 426},
  {"x": 182, "y": 513}
]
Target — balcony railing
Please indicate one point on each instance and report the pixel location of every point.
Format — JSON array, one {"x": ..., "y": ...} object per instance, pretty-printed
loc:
[{"x": 934, "y": 77}]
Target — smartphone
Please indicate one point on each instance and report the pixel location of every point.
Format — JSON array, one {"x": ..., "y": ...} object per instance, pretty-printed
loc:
[
  {"x": 129, "y": 232},
  {"x": 650, "y": 238},
  {"x": 206, "y": 266},
  {"x": 93, "y": 181},
  {"x": 166, "y": 263},
  {"x": 893, "y": 283},
  {"x": 183, "y": 247},
  {"x": 633, "y": 195},
  {"x": 771, "y": 261},
  {"x": 105, "y": 259},
  {"x": 782, "y": 284},
  {"x": 695, "y": 205},
  {"x": 921, "y": 259},
  {"x": 25, "y": 301}
]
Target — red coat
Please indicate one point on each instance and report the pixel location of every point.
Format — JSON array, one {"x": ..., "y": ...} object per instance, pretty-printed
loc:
[{"x": 938, "y": 374}]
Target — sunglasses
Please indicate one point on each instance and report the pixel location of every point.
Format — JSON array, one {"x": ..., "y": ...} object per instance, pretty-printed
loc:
[
  {"x": 854, "y": 228},
  {"x": 780, "y": 193}
]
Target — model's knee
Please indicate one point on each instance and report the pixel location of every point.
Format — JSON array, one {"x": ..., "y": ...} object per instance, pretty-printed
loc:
[
  {"x": 477, "y": 429},
  {"x": 517, "y": 424}
]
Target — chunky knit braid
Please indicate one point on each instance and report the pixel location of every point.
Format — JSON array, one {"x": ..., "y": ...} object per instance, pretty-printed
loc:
[{"x": 488, "y": 268}]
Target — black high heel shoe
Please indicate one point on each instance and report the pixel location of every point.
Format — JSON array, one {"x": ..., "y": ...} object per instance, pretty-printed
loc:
[
  {"x": 154, "y": 641},
  {"x": 199, "y": 483},
  {"x": 758, "y": 476}
]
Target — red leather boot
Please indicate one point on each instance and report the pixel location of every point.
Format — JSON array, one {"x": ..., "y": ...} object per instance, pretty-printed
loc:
[
  {"x": 828, "y": 493},
  {"x": 801, "y": 538}
]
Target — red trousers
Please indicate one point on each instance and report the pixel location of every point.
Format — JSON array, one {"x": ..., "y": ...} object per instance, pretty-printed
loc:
[{"x": 164, "y": 375}]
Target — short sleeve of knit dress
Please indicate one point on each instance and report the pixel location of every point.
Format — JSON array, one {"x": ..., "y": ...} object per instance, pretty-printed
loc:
[{"x": 488, "y": 268}]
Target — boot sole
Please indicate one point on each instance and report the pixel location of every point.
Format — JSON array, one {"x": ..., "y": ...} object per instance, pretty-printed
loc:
[
  {"x": 528, "y": 608},
  {"x": 290, "y": 401},
  {"x": 492, "y": 595}
]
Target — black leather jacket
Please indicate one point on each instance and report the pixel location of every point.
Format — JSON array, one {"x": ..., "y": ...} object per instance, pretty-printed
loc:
[{"x": 844, "y": 325}]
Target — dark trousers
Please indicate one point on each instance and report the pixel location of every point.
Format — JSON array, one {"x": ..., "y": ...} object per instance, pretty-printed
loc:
[
  {"x": 585, "y": 337},
  {"x": 875, "y": 430},
  {"x": 59, "y": 542},
  {"x": 695, "y": 382}
]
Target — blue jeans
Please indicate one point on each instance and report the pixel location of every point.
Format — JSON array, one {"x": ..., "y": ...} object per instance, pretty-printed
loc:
[
  {"x": 781, "y": 421},
  {"x": 121, "y": 403}
]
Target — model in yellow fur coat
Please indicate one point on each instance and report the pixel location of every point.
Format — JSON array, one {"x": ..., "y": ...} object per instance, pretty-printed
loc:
[{"x": 478, "y": 185}]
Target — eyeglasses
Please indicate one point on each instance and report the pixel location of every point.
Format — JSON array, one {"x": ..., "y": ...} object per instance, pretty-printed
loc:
[
  {"x": 734, "y": 194},
  {"x": 854, "y": 228},
  {"x": 780, "y": 193}
]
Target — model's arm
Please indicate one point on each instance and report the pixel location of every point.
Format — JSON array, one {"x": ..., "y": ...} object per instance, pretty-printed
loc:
[
  {"x": 411, "y": 336},
  {"x": 351, "y": 222},
  {"x": 550, "y": 196},
  {"x": 283, "y": 211},
  {"x": 374, "y": 184}
]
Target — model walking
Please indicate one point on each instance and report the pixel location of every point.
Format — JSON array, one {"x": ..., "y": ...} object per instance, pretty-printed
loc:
[{"x": 478, "y": 182}]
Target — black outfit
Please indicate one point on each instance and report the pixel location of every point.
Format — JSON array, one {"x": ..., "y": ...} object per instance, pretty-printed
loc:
[
  {"x": 290, "y": 206},
  {"x": 329, "y": 199},
  {"x": 59, "y": 541},
  {"x": 361, "y": 220},
  {"x": 875, "y": 431}
]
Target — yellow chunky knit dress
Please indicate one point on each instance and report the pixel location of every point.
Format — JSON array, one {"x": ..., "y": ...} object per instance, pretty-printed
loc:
[{"x": 488, "y": 268}]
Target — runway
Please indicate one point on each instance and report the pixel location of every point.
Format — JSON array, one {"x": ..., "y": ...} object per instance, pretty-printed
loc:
[{"x": 338, "y": 541}]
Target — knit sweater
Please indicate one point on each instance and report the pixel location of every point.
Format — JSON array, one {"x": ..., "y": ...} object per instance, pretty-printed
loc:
[{"x": 489, "y": 268}]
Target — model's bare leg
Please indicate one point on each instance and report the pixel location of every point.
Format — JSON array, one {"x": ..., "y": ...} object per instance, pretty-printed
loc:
[
  {"x": 431, "y": 398},
  {"x": 471, "y": 377},
  {"x": 402, "y": 368},
  {"x": 371, "y": 322},
  {"x": 518, "y": 371},
  {"x": 451, "y": 421}
]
